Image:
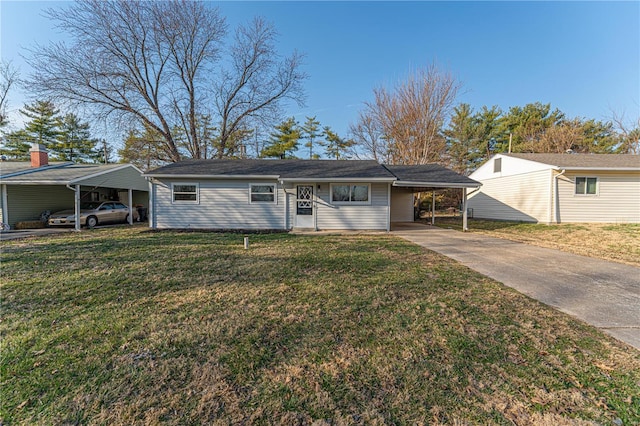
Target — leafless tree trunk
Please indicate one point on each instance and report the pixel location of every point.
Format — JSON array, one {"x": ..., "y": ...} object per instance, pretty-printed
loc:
[
  {"x": 367, "y": 134},
  {"x": 8, "y": 79},
  {"x": 157, "y": 64},
  {"x": 250, "y": 91},
  {"x": 411, "y": 116},
  {"x": 559, "y": 138},
  {"x": 629, "y": 132}
]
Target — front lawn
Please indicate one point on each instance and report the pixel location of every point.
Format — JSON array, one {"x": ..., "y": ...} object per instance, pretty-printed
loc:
[
  {"x": 129, "y": 326},
  {"x": 616, "y": 242}
]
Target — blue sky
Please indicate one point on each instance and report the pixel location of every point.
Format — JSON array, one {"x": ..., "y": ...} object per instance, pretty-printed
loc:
[{"x": 582, "y": 57}]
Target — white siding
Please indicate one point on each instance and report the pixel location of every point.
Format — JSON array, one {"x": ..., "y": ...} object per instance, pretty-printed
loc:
[
  {"x": 510, "y": 167},
  {"x": 222, "y": 205},
  {"x": 401, "y": 205},
  {"x": 617, "y": 200},
  {"x": 374, "y": 216},
  {"x": 523, "y": 197}
]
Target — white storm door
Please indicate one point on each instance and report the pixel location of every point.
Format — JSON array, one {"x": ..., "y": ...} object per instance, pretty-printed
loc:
[{"x": 304, "y": 206}]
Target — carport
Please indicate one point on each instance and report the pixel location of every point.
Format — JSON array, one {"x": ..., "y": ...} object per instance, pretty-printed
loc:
[
  {"x": 29, "y": 188},
  {"x": 427, "y": 178}
]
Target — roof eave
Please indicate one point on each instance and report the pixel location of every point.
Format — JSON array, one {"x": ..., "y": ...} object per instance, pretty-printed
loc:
[
  {"x": 341, "y": 179},
  {"x": 202, "y": 176},
  {"x": 609, "y": 169},
  {"x": 407, "y": 184}
]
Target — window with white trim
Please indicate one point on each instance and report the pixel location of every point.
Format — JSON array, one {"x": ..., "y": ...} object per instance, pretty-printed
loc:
[
  {"x": 351, "y": 193},
  {"x": 262, "y": 193},
  {"x": 185, "y": 193},
  {"x": 586, "y": 185}
]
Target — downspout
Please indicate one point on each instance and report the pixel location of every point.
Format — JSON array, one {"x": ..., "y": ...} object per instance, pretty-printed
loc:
[{"x": 553, "y": 206}]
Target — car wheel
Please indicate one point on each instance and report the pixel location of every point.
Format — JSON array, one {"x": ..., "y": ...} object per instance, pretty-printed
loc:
[
  {"x": 126, "y": 219},
  {"x": 92, "y": 221}
]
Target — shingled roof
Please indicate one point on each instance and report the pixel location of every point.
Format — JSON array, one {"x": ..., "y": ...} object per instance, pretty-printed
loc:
[
  {"x": 586, "y": 161},
  {"x": 309, "y": 170},
  {"x": 283, "y": 169}
]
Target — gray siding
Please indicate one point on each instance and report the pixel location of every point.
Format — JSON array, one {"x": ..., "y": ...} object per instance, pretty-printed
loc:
[
  {"x": 27, "y": 202},
  {"x": 617, "y": 199},
  {"x": 374, "y": 216},
  {"x": 524, "y": 197},
  {"x": 222, "y": 205}
]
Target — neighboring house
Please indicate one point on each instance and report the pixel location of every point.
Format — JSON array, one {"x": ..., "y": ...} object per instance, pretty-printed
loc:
[
  {"x": 286, "y": 194},
  {"x": 30, "y": 188},
  {"x": 556, "y": 188}
]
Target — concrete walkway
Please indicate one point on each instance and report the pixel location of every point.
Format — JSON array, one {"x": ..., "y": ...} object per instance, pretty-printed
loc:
[{"x": 601, "y": 293}]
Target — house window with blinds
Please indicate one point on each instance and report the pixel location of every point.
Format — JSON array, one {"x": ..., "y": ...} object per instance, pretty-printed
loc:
[{"x": 185, "y": 193}]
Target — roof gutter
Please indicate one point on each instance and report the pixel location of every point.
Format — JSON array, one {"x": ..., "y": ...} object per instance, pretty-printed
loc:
[
  {"x": 349, "y": 179},
  {"x": 197, "y": 176},
  {"x": 404, "y": 184}
]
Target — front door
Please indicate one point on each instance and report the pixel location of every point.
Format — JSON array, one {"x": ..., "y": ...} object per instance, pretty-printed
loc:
[{"x": 304, "y": 206}]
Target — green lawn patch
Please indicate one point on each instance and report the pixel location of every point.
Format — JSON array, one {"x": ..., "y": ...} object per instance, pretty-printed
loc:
[{"x": 128, "y": 326}]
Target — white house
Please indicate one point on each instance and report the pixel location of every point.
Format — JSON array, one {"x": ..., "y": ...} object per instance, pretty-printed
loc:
[
  {"x": 287, "y": 194},
  {"x": 556, "y": 188}
]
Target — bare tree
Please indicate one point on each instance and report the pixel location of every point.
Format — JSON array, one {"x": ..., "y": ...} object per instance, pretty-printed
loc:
[
  {"x": 250, "y": 91},
  {"x": 562, "y": 137},
  {"x": 629, "y": 133},
  {"x": 368, "y": 136},
  {"x": 411, "y": 116},
  {"x": 8, "y": 79},
  {"x": 155, "y": 64}
]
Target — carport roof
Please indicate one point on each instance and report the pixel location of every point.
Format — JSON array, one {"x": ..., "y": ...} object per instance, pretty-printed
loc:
[
  {"x": 21, "y": 173},
  {"x": 430, "y": 176}
]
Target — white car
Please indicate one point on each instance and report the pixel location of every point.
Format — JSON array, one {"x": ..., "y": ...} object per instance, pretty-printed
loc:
[{"x": 94, "y": 213}]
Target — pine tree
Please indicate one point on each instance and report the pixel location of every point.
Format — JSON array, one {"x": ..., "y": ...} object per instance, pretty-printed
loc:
[
  {"x": 337, "y": 147},
  {"x": 43, "y": 127},
  {"x": 74, "y": 142},
  {"x": 310, "y": 133},
  {"x": 284, "y": 141},
  {"x": 143, "y": 149}
]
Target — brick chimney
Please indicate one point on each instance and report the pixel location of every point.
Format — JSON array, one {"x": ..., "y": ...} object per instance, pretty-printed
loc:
[{"x": 39, "y": 156}]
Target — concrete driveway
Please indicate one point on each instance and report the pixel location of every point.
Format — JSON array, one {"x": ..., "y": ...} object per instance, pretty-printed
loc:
[{"x": 601, "y": 293}]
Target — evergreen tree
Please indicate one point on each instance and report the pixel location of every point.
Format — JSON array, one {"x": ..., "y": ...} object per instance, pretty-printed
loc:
[
  {"x": 43, "y": 126},
  {"x": 524, "y": 125},
  {"x": 74, "y": 142},
  {"x": 462, "y": 139},
  {"x": 337, "y": 147},
  {"x": 310, "y": 133},
  {"x": 14, "y": 146},
  {"x": 284, "y": 141},
  {"x": 143, "y": 149}
]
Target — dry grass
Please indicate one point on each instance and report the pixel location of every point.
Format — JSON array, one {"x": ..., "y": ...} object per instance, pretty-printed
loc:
[
  {"x": 615, "y": 242},
  {"x": 124, "y": 326}
]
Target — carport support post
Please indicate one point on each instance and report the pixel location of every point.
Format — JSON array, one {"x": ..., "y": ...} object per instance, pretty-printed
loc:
[
  {"x": 433, "y": 208},
  {"x": 464, "y": 210},
  {"x": 77, "y": 207},
  {"x": 130, "y": 206}
]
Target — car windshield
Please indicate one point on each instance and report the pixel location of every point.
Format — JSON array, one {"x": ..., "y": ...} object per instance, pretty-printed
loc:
[{"x": 89, "y": 206}]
